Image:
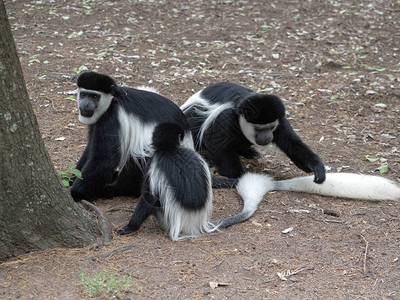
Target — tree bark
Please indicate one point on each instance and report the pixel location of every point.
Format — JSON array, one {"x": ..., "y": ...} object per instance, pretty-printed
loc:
[{"x": 36, "y": 211}]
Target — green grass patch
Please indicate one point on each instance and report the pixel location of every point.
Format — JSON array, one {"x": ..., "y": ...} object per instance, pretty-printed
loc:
[{"x": 106, "y": 283}]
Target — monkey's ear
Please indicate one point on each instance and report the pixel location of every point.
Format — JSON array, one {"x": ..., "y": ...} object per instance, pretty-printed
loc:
[
  {"x": 241, "y": 107},
  {"x": 247, "y": 109}
]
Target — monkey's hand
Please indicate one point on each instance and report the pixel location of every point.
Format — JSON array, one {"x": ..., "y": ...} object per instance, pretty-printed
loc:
[
  {"x": 125, "y": 230},
  {"x": 319, "y": 173}
]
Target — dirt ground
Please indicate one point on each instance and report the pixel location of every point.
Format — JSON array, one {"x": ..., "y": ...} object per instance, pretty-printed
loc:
[{"x": 335, "y": 64}]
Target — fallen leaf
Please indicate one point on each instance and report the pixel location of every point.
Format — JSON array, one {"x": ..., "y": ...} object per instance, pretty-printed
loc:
[
  {"x": 214, "y": 284},
  {"x": 281, "y": 276},
  {"x": 381, "y": 105},
  {"x": 256, "y": 223},
  {"x": 287, "y": 230}
]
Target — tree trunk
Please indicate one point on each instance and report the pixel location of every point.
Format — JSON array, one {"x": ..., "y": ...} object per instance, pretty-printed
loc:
[{"x": 36, "y": 211}]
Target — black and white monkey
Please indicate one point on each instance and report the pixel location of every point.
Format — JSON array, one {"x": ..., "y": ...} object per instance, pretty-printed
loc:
[
  {"x": 226, "y": 119},
  {"x": 120, "y": 123},
  {"x": 177, "y": 189}
]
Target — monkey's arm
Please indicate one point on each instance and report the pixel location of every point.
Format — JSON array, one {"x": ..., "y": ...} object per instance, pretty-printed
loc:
[
  {"x": 301, "y": 155},
  {"x": 99, "y": 166},
  {"x": 95, "y": 175},
  {"x": 82, "y": 161},
  {"x": 79, "y": 166},
  {"x": 228, "y": 163}
]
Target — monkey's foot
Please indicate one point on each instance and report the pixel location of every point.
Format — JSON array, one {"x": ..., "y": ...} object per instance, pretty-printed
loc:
[
  {"x": 250, "y": 153},
  {"x": 125, "y": 230}
]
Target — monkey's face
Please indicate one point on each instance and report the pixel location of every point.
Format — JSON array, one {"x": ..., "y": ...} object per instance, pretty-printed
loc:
[
  {"x": 258, "y": 117},
  {"x": 92, "y": 105},
  {"x": 258, "y": 134}
]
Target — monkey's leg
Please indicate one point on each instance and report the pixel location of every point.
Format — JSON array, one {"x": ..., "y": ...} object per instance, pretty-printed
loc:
[
  {"x": 95, "y": 176},
  {"x": 228, "y": 164},
  {"x": 128, "y": 182},
  {"x": 143, "y": 210},
  {"x": 249, "y": 153}
]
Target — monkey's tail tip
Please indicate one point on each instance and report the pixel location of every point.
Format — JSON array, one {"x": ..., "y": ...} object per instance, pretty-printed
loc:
[
  {"x": 346, "y": 185},
  {"x": 252, "y": 188}
]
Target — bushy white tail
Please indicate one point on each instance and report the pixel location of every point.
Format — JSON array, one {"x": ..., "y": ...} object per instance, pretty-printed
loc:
[
  {"x": 346, "y": 185},
  {"x": 252, "y": 188}
]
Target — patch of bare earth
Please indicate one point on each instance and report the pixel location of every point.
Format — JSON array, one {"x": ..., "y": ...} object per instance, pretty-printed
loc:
[{"x": 336, "y": 65}]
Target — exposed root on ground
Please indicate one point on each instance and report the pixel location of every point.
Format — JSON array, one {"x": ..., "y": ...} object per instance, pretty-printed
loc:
[{"x": 105, "y": 225}]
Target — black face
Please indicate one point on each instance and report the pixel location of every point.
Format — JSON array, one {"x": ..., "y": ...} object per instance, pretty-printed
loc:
[
  {"x": 264, "y": 133},
  {"x": 88, "y": 102},
  {"x": 261, "y": 109}
]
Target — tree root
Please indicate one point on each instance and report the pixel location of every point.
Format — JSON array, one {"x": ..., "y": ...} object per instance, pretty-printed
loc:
[
  {"x": 105, "y": 225},
  {"x": 3, "y": 274},
  {"x": 111, "y": 252}
]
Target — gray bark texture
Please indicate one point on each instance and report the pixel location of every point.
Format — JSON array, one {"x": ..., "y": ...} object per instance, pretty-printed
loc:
[{"x": 36, "y": 211}]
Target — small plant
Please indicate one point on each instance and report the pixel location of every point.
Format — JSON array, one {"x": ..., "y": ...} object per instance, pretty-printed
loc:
[
  {"x": 105, "y": 283},
  {"x": 80, "y": 69},
  {"x": 72, "y": 98},
  {"x": 69, "y": 173},
  {"x": 384, "y": 165}
]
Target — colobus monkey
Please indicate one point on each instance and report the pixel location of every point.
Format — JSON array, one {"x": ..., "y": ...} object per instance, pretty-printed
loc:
[
  {"x": 226, "y": 119},
  {"x": 177, "y": 189},
  {"x": 120, "y": 123}
]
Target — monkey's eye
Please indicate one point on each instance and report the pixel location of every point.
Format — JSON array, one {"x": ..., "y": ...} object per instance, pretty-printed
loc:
[
  {"x": 92, "y": 96},
  {"x": 95, "y": 97},
  {"x": 268, "y": 126}
]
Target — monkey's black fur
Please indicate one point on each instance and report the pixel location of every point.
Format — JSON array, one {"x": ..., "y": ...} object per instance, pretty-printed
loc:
[
  {"x": 186, "y": 173},
  {"x": 177, "y": 183},
  {"x": 97, "y": 82},
  {"x": 224, "y": 140},
  {"x": 102, "y": 155}
]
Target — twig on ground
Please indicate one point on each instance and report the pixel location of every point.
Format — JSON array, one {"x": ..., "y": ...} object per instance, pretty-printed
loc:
[
  {"x": 365, "y": 253},
  {"x": 120, "y": 209},
  {"x": 105, "y": 225},
  {"x": 329, "y": 221},
  {"x": 112, "y": 252},
  {"x": 283, "y": 276},
  {"x": 213, "y": 254}
]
